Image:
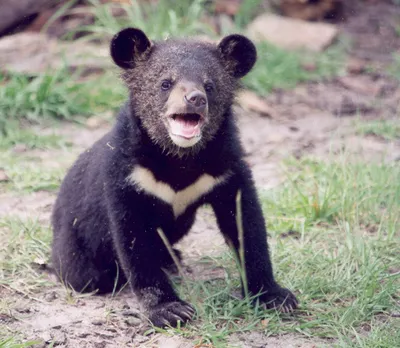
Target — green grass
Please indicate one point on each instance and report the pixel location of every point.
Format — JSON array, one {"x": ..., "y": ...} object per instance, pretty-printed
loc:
[
  {"x": 278, "y": 68},
  {"x": 45, "y": 98},
  {"x": 158, "y": 20},
  {"x": 379, "y": 334},
  {"x": 340, "y": 257},
  {"x": 49, "y": 95},
  {"x": 397, "y": 30},
  {"x": 27, "y": 175},
  {"x": 366, "y": 196},
  {"x": 394, "y": 69},
  {"x": 14, "y": 134},
  {"x": 385, "y": 129},
  {"x": 342, "y": 281},
  {"x": 55, "y": 95},
  {"x": 12, "y": 343},
  {"x": 26, "y": 248},
  {"x": 248, "y": 10}
]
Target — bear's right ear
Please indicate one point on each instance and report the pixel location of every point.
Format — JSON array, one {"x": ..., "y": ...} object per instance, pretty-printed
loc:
[{"x": 129, "y": 45}]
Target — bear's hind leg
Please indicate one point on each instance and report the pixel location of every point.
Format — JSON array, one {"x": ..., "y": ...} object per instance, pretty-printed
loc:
[{"x": 76, "y": 269}]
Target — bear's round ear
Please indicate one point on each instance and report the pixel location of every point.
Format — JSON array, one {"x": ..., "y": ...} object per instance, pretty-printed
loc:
[
  {"x": 129, "y": 45},
  {"x": 238, "y": 54}
]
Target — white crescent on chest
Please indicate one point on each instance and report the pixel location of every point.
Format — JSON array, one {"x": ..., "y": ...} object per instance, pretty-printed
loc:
[{"x": 144, "y": 180}]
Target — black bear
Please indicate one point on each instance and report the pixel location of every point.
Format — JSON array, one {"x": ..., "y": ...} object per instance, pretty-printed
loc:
[{"x": 175, "y": 146}]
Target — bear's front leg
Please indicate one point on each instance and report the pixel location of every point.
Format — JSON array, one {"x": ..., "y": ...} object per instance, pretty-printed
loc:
[
  {"x": 142, "y": 256},
  {"x": 259, "y": 274}
]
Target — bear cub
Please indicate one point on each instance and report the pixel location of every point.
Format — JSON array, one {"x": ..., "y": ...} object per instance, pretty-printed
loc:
[{"x": 174, "y": 147}]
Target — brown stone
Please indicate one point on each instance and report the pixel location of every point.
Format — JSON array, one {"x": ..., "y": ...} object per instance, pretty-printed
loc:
[
  {"x": 292, "y": 34},
  {"x": 250, "y": 101}
]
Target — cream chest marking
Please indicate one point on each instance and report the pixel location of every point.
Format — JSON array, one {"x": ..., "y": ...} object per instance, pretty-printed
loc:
[{"x": 145, "y": 181}]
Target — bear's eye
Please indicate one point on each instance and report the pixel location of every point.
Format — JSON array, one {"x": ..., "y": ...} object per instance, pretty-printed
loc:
[
  {"x": 208, "y": 87},
  {"x": 166, "y": 85}
]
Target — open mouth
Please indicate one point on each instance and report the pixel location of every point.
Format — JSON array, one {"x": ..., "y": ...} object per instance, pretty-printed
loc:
[{"x": 186, "y": 126}]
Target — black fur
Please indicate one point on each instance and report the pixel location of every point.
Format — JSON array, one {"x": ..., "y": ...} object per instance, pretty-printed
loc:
[
  {"x": 128, "y": 44},
  {"x": 105, "y": 228},
  {"x": 238, "y": 53}
]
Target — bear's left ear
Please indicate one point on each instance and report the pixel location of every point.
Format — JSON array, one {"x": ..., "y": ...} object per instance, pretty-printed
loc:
[
  {"x": 128, "y": 46},
  {"x": 238, "y": 54}
]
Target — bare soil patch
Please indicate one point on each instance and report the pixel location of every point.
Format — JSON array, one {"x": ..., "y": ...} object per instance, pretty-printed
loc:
[{"x": 372, "y": 27}]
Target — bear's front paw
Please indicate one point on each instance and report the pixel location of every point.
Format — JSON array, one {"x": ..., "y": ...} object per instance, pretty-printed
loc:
[
  {"x": 280, "y": 299},
  {"x": 169, "y": 313}
]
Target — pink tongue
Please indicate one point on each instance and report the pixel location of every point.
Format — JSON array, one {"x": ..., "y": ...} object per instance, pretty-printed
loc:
[{"x": 183, "y": 128}]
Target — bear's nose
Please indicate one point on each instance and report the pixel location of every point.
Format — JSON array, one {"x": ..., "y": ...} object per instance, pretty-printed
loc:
[{"x": 196, "y": 99}]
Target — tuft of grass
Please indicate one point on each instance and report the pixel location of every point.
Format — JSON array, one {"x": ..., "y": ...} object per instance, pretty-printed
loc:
[
  {"x": 386, "y": 129},
  {"x": 14, "y": 134},
  {"x": 397, "y": 30},
  {"x": 48, "y": 97},
  {"x": 171, "y": 252},
  {"x": 394, "y": 68},
  {"x": 278, "y": 68},
  {"x": 24, "y": 251},
  {"x": 247, "y": 11},
  {"x": 55, "y": 95},
  {"x": 159, "y": 19},
  {"x": 27, "y": 176},
  {"x": 12, "y": 343},
  {"x": 379, "y": 334},
  {"x": 365, "y": 196}
]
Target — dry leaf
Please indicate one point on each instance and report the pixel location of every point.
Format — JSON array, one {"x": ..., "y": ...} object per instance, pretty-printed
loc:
[
  {"x": 3, "y": 176},
  {"x": 250, "y": 101}
]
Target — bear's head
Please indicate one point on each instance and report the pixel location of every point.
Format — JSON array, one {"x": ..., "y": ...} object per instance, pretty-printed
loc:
[{"x": 181, "y": 90}]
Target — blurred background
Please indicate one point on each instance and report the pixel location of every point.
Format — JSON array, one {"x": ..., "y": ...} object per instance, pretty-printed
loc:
[{"x": 54, "y": 53}]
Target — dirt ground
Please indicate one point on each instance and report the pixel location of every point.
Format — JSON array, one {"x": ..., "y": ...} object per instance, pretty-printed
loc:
[{"x": 317, "y": 119}]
